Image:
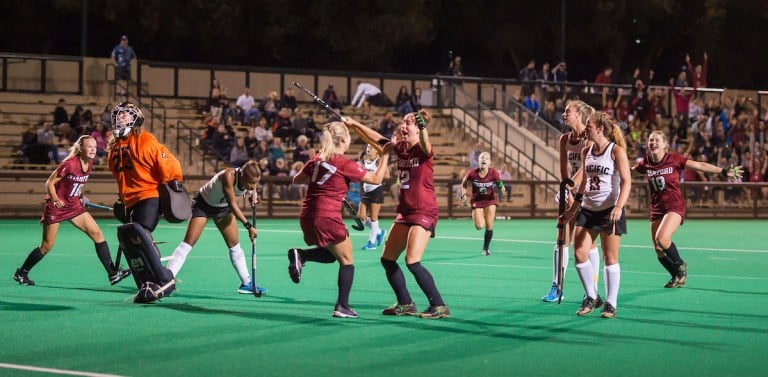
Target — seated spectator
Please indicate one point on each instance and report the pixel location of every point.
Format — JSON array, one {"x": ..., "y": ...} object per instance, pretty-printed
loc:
[
  {"x": 100, "y": 135},
  {"x": 238, "y": 156},
  {"x": 247, "y": 106},
  {"x": 279, "y": 169},
  {"x": 61, "y": 126},
  {"x": 282, "y": 126},
  {"x": 261, "y": 151},
  {"x": 75, "y": 123},
  {"x": 304, "y": 125},
  {"x": 416, "y": 99},
  {"x": 270, "y": 107},
  {"x": 387, "y": 125},
  {"x": 251, "y": 141},
  {"x": 532, "y": 103},
  {"x": 289, "y": 100},
  {"x": 106, "y": 117},
  {"x": 505, "y": 177},
  {"x": 28, "y": 142},
  {"x": 296, "y": 191},
  {"x": 263, "y": 131},
  {"x": 233, "y": 111},
  {"x": 333, "y": 100},
  {"x": 221, "y": 143},
  {"x": 403, "y": 101},
  {"x": 276, "y": 150},
  {"x": 217, "y": 100},
  {"x": 46, "y": 141},
  {"x": 302, "y": 152}
]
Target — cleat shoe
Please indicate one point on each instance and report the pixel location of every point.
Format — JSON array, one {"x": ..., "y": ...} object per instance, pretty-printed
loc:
[
  {"x": 608, "y": 311},
  {"x": 397, "y": 309},
  {"x": 245, "y": 288},
  {"x": 118, "y": 276},
  {"x": 436, "y": 312},
  {"x": 344, "y": 312},
  {"x": 380, "y": 237},
  {"x": 22, "y": 277},
  {"x": 486, "y": 252},
  {"x": 552, "y": 296},
  {"x": 599, "y": 302},
  {"x": 369, "y": 246},
  {"x": 295, "y": 265},
  {"x": 682, "y": 274},
  {"x": 588, "y": 305},
  {"x": 672, "y": 283}
]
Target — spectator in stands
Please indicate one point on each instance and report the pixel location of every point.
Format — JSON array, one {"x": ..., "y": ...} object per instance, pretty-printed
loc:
[
  {"x": 270, "y": 107},
  {"x": 251, "y": 140},
  {"x": 46, "y": 139},
  {"x": 387, "y": 125},
  {"x": 368, "y": 95},
  {"x": 682, "y": 79},
  {"x": 28, "y": 143},
  {"x": 238, "y": 156},
  {"x": 560, "y": 74},
  {"x": 304, "y": 124},
  {"x": 532, "y": 103},
  {"x": 261, "y": 151},
  {"x": 222, "y": 142},
  {"x": 403, "y": 101},
  {"x": 263, "y": 131},
  {"x": 505, "y": 177},
  {"x": 106, "y": 116},
  {"x": 544, "y": 75},
  {"x": 604, "y": 77},
  {"x": 289, "y": 100},
  {"x": 61, "y": 121},
  {"x": 528, "y": 73},
  {"x": 474, "y": 156},
  {"x": 234, "y": 111},
  {"x": 455, "y": 68},
  {"x": 122, "y": 55},
  {"x": 331, "y": 98},
  {"x": 416, "y": 99},
  {"x": 276, "y": 150},
  {"x": 75, "y": 122},
  {"x": 302, "y": 152},
  {"x": 282, "y": 126},
  {"x": 99, "y": 134},
  {"x": 247, "y": 106},
  {"x": 296, "y": 191},
  {"x": 217, "y": 99},
  {"x": 279, "y": 169},
  {"x": 697, "y": 76}
]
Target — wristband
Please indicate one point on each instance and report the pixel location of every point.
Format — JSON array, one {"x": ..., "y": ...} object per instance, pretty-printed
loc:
[
  {"x": 578, "y": 197},
  {"x": 420, "y": 122},
  {"x": 248, "y": 225},
  {"x": 724, "y": 171},
  {"x": 500, "y": 184}
]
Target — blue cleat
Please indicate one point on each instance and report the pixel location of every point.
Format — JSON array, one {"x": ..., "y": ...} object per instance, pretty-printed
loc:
[
  {"x": 552, "y": 296},
  {"x": 369, "y": 246},
  {"x": 380, "y": 237},
  {"x": 248, "y": 289}
]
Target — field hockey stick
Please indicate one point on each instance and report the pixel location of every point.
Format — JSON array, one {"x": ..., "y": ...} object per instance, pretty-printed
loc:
[
  {"x": 376, "y": 142},
  {"x": 88, "y": 203},
  {"x": 561, "y": 224},
  {"x": 351, "y": 211},
  {"x": 257, "y": 291}
]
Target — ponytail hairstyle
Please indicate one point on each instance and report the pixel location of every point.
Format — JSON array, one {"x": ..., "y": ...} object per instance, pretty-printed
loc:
[
  {"x": 611, "y": 130},
  {"x": 251, "y": 171},
  {"x": 333, "y": 132},
  {"x": 78, "y": 147}
]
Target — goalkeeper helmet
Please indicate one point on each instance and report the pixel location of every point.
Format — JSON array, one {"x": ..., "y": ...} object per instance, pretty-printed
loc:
[{"x": 125, "y": 117}]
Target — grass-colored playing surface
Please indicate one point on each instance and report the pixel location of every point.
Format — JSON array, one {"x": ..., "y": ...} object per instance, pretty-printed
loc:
[{"x": 73, "y": 321}]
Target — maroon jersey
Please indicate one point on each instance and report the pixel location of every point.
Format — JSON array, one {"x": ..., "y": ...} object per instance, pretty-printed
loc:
[
  {"x": 68, "y": 189},
  {"x": 416, "y": 173},
  {"x": 664, "y": 182},
  {"x": 483, "y": 193},
  {"x": 329, "y": 183}
]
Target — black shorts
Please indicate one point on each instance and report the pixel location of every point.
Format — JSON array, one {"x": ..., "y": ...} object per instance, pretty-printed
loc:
[
  {"x": 599, "y": 221},
  {"x": 145, "y": 213},
  {"x": 123, "y": 73},
  {"x": 373, "y": 197},
  {"x": 200, "y": 208}
]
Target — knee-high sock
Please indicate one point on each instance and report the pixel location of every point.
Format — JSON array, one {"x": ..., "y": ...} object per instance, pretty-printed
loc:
[
  {"x": 374, "y": 231},
  {"x": 178, "y": 257},
  {"x": 426, "y": 283},
  {"x": 396, "y": 280},
  {"x": 367, "y": 221},
  {"x": 237, "y": 257},
  {"x": 612, "y": 276},
  {"x": 672, "y": 253},
  {"x": 594, "y": 258},
  {"x": 318, "y": 254},
  {"x": 34, "y": 256},
  {"x": 566, "y": 256},
  {"x": 586, "y": 275},
  {"x": 669, "y": 265},
  {"x": 345, "y": 279},
  {"x": 102, "y": 251},
  {"x": 487, "y": 238}
]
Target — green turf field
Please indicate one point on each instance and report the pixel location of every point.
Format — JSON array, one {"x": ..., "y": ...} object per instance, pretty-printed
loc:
[{"x": 73, "y": 321}]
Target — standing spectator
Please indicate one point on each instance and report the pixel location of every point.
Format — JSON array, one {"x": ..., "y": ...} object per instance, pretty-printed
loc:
[
  {"x": 604, "y": 77},
  {"x": 544, "y": 75},
  {"x": 560, "y": 73},
  {"x": 455, "y": 68},
  {"x": 527, "y": 76},
  {"x": 122, "y": 55},
  {"x": 247, "y": 106},
  {"x": 217, "y": 100},
  {"x": 403, "y": 100},
  {"x": 697, "y": 76},
  {"x": 63, "y": 202},
  {"x": 331, "y": 98}
]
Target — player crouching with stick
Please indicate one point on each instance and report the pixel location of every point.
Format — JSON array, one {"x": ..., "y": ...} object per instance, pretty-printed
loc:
[
  {"x": 328, "y": 175},
  {"x": 63, "y": 203},
  {"x": 217, "y": 199}
]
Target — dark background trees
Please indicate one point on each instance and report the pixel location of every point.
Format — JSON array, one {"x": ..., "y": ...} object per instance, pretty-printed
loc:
[{"x": 495, "y": 38}]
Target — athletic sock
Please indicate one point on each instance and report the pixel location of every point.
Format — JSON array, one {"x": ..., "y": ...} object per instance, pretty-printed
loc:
[
  {"x": 237, "y": 257},
  {"x": 102, "y": 251},
  {"x": 367, "y": 221},
  {"x": 34, "y": 256},
  {"x": 178, "y": 257},
  {"x": 594, "y": 258},
  {"x": 318, "y": 254},
  {"x": 396, "y": 280},
  {"x": 487, "y": 238},
  {"x": 586, "y": 275},
  {"x": 374, "y": 231},
  {"x": 672, "y": 253},
  {"x": 612, "y": 281},
  {"x": 345, "y": 279},
  {"x": 669, "y": 265},
  {"x": 426, "y": 283}
]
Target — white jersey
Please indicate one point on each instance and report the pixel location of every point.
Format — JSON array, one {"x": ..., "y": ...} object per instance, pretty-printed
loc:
[
  {"x": 603, "y": 180},
  {"x": 213, "y": 192},
  {"x": 371, "y": 167},
  {"x": 573, "y": 154}
]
